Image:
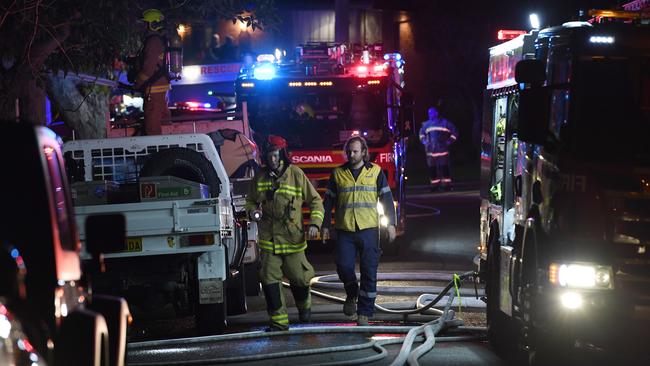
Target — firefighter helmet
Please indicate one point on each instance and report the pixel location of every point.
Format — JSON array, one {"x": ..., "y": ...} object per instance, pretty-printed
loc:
[
  {"x": 154, "y": 18},
  {"x": 273, "y": 143}
]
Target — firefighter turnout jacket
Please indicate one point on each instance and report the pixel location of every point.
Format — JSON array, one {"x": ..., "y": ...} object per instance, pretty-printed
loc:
[
  {"x": 281, "y": 198},
  {"x": 153, "y": 76},
  {"x": 437, "y": 135}
]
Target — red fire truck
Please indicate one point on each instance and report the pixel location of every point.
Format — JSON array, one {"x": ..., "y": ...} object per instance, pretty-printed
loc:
[{"x": 327, "y": 94}]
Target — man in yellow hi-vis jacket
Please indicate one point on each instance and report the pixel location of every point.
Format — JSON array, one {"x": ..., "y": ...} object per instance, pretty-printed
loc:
[{"x": 278, "y": 192}]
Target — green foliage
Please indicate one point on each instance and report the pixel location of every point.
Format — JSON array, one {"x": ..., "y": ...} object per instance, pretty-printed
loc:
[{"x": 90, "y": 35}]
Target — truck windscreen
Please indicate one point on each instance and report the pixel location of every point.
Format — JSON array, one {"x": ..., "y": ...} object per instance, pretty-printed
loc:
[
  {"x": 320, "y": 121},
  {"x": 612, "y": 110}
]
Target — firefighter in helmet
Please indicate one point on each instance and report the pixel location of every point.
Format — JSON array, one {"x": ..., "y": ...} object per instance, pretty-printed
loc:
[
  {"x": 275, "y": 200},
  {"x": 153, "y": 77},
  {"x": 437, "y": 134}
]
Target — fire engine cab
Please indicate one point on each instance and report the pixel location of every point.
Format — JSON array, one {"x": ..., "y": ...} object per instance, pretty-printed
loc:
[
  {"x": 565, "y": 198},
  {"x": 325, "y": 95}
]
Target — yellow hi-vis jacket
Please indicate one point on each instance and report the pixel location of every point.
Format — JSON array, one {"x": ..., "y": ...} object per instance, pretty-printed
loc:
[
  {"x": 281, "y": 229},
  {"x": 357, "y": 200}
]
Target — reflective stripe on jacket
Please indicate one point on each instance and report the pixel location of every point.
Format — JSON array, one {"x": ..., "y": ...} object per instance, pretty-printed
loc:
[
  {"x": 437, "y": 135},
  {"x": 281, "y": 228},
  {"x": 357, "y": 200}
]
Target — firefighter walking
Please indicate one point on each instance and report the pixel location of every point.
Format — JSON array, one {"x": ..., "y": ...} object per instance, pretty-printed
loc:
[
  {"x": 437, "y": 134},
  {"x": 153, "y": 77},
  {"x": 355, "y": 189},
  {"x": 278, "y": 193}
]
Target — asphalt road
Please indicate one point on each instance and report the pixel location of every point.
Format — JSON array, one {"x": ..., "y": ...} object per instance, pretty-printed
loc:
[{"x": 441, "y": 239}]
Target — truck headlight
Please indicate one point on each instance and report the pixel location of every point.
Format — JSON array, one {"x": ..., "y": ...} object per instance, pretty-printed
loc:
[{"x": 580, "y": 275}]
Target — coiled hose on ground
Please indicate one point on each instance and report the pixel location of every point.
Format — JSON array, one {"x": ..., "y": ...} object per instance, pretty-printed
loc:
[{"x": 413, "y": 334}]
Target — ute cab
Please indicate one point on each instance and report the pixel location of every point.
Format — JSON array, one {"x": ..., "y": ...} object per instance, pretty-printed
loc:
[{"x": 566, "y": 189}]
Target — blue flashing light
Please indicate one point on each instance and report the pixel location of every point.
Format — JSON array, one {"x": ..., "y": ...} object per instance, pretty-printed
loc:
[
  {"x": 265, "y": 71},
  {"x": 386, "y": 57},
  {"x": 398, "y": 56},
  {"x": 210, "y": 92},
  {"x": 14, "y": 253},
  {"x": 207, "y": 105}
]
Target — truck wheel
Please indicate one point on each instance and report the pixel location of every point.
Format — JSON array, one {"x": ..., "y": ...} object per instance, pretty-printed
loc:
[
  {"x": 182, "y": 163},
  {"x": 82, "y": 340},
  {"x": 500, "y": 334},
  {"x": 252, "y": 279},
  {"x": 210, "y": 318},
  {"x": 236, "y": 293},
  {"x": 115, "y": 311}
]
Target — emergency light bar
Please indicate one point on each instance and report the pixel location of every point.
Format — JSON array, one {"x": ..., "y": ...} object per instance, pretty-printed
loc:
[
  {"x": 505, "y": 34},
  {"x": 601, "y": 39}
]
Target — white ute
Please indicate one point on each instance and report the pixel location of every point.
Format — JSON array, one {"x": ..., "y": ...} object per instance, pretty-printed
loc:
[{"x": 184, "y": 244}]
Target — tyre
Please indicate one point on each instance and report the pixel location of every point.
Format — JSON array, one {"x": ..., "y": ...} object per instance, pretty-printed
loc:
[
  {"x": 210, "y": 318},
  {"x": 182, "y": 163},
  {"x": 82, "y": 340},
  {"x": 252, "y": 279}
]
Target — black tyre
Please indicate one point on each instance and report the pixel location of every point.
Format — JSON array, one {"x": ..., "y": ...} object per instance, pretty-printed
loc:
[
  {"x": 236, "y": 294},
  {"x": 252, "y": 279},
  {"x": 183, "y": 163},
  {"x": 210, "y": 318}
]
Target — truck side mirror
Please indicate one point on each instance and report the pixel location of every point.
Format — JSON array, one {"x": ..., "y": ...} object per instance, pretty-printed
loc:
[
  {"x": 534, "y": 102},
  {"x": 532, "y": 126},
  {"x": 530, "y": 72},
  {"x": 105, "y": 234}
]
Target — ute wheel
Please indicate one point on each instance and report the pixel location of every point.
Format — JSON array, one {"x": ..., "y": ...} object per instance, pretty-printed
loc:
[
  {"x": 115, "y": 311},
  {"x": 236, "y": 293},
  {"x": 82, "y": 340},
  {"x": 210, "y": 318},
  {"x": 182, "y": 163},
  {"x": 252, "y": 279}
]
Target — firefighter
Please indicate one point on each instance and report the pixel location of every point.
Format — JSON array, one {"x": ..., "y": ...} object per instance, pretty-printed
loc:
[
  {"x": 275, "y": 199},
  {"x": 354, "y": 189},
  {"x": 437, "y": 134},
  {"x": 153, "y": 78}
]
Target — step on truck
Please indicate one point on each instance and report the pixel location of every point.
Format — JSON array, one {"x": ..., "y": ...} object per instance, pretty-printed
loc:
[
  {"x": 49, "y": 312},
  {"x": 565, "y": 198},
  {"x": 184, "y": 244}
]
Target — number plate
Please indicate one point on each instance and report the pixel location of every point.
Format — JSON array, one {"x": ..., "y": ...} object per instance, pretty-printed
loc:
[{"x": 133, "y": 245}]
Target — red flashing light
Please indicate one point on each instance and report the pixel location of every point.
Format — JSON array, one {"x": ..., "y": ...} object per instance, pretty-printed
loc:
[
  {"x": 505, "y": 34},
  {"x": 362, "y": 69}
]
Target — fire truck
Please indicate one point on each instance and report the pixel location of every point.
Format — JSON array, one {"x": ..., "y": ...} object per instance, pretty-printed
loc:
[
  {"x": 565, "y": 190},
  {"x": 325, "y": 95}
]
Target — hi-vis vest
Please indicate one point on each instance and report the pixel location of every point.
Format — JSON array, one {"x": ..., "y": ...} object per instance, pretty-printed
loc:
[
  {"x": 357, "y": 200},
  {"x": 281, "y": 227}
]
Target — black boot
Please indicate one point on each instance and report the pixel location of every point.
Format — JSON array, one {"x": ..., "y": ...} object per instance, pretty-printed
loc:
[{"x": 304, "y": 315}]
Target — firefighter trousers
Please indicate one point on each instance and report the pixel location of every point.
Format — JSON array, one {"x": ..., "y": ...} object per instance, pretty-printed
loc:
[
  {"x": 439, "y": 169},
  {"x": 155, "y": 110},
  {"x": 365, "y": 243},
  {"x": 298, "y": 271}
]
